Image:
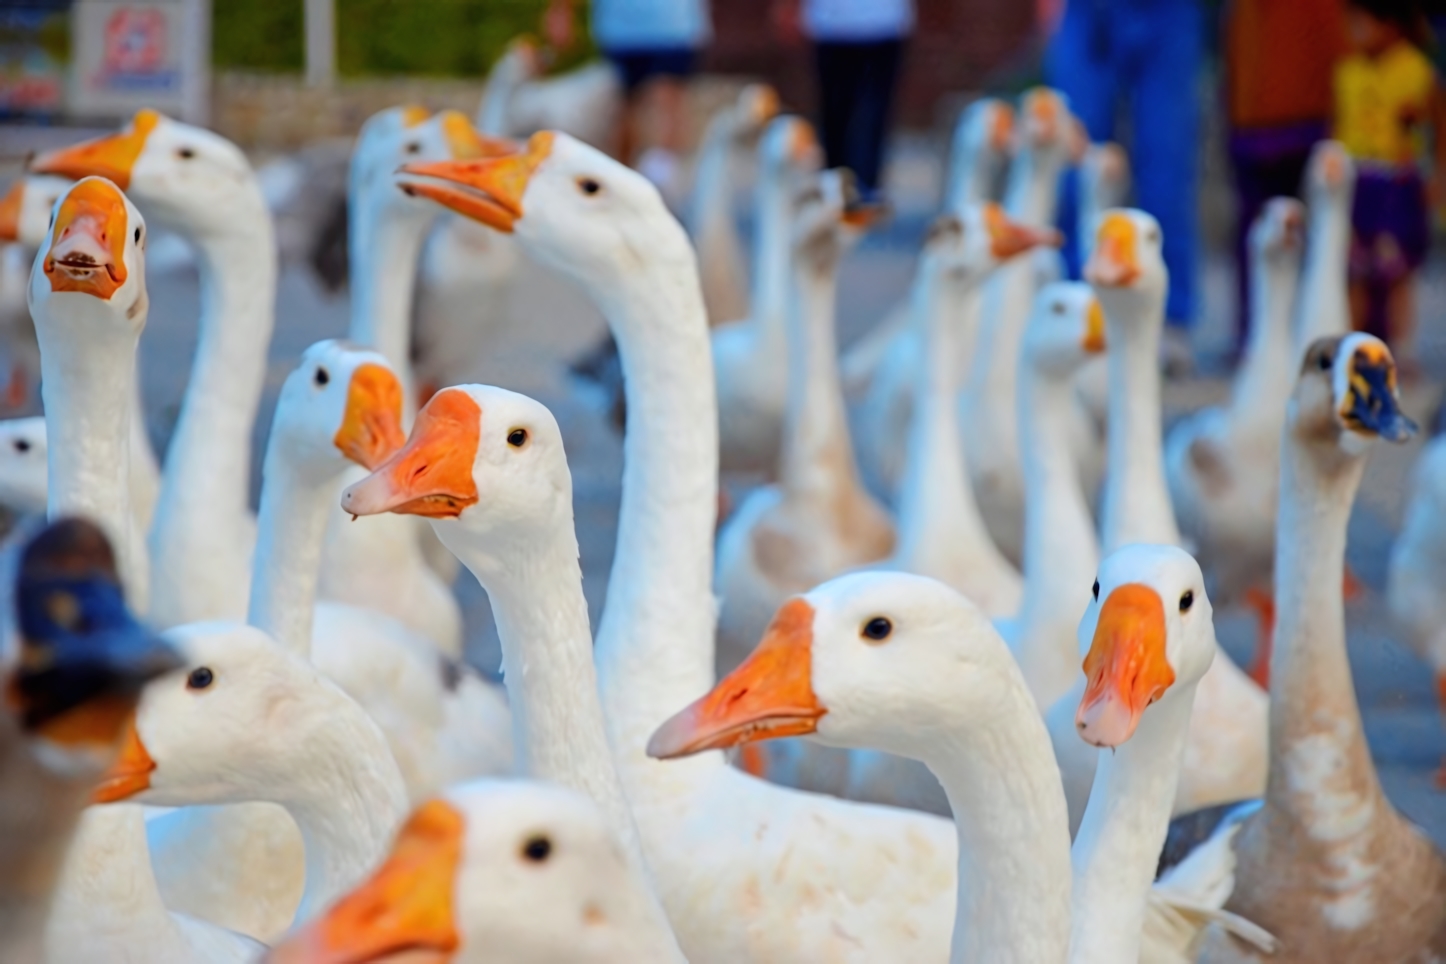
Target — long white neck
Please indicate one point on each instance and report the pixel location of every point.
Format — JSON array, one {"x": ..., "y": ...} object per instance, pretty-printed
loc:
[
  {"x": 771, "y": 263},
  {"x": 1137, "y": 505},
  {"x": 937, "y": 511},
  {"x": 1264, "y": 383},
  {"x": 383, "y": 247},
  {"x": 1118, "y": 845},
  {"x": 1010, "y": 815},
  {"x": 535, "y": 587},
  {"x": 497, "y": 97},
  {"x": 1324, "y": 305},
  {"x": 1313, "y": 697},
  {"x": 200, "y": 540},
  {"x": 290, "y": 528},
  {"x": 655, "y": 640},
  {"x": 817, "y": 461},
  {"x": 347, "y": 798},
  {"x": 971, "y": 176},
  {"x": 1060, "y": 545},
  {"x": 711, "y": 201},
  {"x": 87, "y": 368}
]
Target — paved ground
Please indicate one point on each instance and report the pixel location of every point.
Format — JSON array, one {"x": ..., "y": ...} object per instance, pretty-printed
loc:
[{"x": 549, "y": 323}]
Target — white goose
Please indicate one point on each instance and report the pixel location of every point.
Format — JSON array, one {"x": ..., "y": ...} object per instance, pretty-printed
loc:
[
  {"x": 750, "y": 357},
  {"x": 711, "y": 222},
  {"x": 818, "y": 520},
  {"x": 1323, "y": 308},
  {"x": 1046, "y": 140},
  {"x": 201, "y": 185},
  {"x": 1225, "y": 757},
  {"x": 89, "y": 302},
  {"x": 1223, "y": 464},
  {"x": 903, "y": 663},
  {"x": 245, "y": 720},
  {"x": 493, "y": 870},
  {"x": 883, "y": 366},
  {"x": 1328, "y": 865},
  {"x": 73, "y": 688}
]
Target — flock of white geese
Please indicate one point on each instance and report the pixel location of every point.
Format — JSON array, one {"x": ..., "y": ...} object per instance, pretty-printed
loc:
[{"x": 299, "y": 767}]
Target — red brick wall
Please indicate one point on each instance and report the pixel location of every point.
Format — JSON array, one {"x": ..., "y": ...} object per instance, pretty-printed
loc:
[{"x": 956, "y": 46}]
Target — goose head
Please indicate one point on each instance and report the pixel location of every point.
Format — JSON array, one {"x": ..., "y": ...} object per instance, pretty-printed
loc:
[
  {"x": 240, "y": 719},
  {"x": 92, "y": 261},
  {"x": 571, "y": 206},
  {"x": 971, "y": 243},
  {"x": 1147, "y": 635},
  {"x": 829, "y": 219},
  {"x": 1278, "y": 234},
  {"x": 341, "y": 403},
  {"x": 493, "y": 870},
  {"x": 488, "y": 459},
  {"x": 83, "y": 658},
  {"x": 755, "y": 106},
  {"x": 874, "y": 659},
  {"x": 25, "y": 209},
  {"x": 1127, "y": 264},
  {"x": 788, "y": 146},
  {"x": 1065, "y": 329},
  {"x": 983, "y": 140},
  {"x": 1330, "y": 175},
  {"x": 185, "y": 177},
  {"x": 1047, "y": 127},
  {"x": 1345, "y": 398},
  {"x": 403, "y": 135},
  {"x": 24, "y": 473}
]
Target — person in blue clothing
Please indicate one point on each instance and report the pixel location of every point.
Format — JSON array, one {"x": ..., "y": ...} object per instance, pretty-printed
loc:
[
  {"x": 654, "y": 44},
  {"x": 1143, "y": 58},
  {"x": 858, "y": 46}
]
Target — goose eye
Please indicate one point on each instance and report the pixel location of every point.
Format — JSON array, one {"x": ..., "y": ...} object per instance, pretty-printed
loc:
[
  {"x": 22, "y": 445},
  {"x": 322, "y": 376},
  {"x": 1324, "y": 361},
  {"x": 1187, "y": 599},
  {"x": 185, "y": 153},
  {"x": 138, "y": 235},
  {"x": 414, "y": 148},
  {"x": 1057, "y": 307},
  {"x": 537, "y": 849},
  {"x": 200, "y": 678},
  {"x": 588, "y": 185},
  {"x": 517, "y": 438},
  {"x": 877, "y": 629},
  {"x": 1095, "y": 590}
]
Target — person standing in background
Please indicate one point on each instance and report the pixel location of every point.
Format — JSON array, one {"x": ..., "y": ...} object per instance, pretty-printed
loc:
[
  {"x": 1385, "y": 94},
  {"x": 858, "y": 47},
  {"x": 654, "y": 44},
  {"x": 1146, "y": 55},
  {"x": 1278, "y": 100}
]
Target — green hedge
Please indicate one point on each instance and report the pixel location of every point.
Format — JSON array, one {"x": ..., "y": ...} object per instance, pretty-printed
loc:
[{"x": 436, "y": 37}]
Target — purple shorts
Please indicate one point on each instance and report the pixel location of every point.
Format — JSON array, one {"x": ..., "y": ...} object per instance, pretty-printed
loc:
[{"x": 1392, "y": 228}]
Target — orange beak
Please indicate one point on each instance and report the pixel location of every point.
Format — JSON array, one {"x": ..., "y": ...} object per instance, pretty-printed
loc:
[
  {"x": 1001, "y": 128},
  {"x": 111, "y": 157},
  {"x": 1094, "y": 337},
  {"x": 132, "y": 771},
  {"x": 766, "y": 105},
  {"x": 804, "y": 145},
  {"x": 404, "y": 912},
  {"x": 87, "y": 249},
  {"x": 769, "y": 696},
  {"x": 466, "y": 143},
  {"x": 1008, "y": 238},
  {"x": 371, "y": 429},
  {"x": 487, "y": 189},
  {"x": 414, "y": 115},
  {"x": 1126, "y": 668},
  {"x": 1114, "y": 263},
  {"x": 10, "y": 211},
  {"x": 432, "y": 474},
  {"x": 1042, "y": 111}
]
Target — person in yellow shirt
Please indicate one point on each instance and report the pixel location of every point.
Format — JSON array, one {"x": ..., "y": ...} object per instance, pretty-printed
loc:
[{"x": 1385, "y": 94}]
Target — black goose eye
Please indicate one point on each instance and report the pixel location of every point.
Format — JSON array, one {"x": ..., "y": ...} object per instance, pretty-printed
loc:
[
  {"x": 1324, "y": 361},
  {"x": 138, "y": 235},
  {"x": 1187, "y": 599},
  {"x": 877, "y": 628},
  {"x": 537, "y": 849},
  {"x": 185, "y": 153},
  {"x": 414, "y": 148},
  {"x": 322, "y": 376},
  {"x": 1096, "y": 589},
  {"x": 200, "y": 678},
  {"x": 517, "y": 438},
  {"x": 21, "y": 445},
  {"x": 588, "y": 186}
]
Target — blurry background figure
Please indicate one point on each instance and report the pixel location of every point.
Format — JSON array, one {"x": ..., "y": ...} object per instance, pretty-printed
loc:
[
  {"x": 858, "y": 45},
  {"x": 1278, "y": 59},
  {"x": 1385, "y": 93},
  {"x": 654, "y": 44},
  {"x": 1143, "y": 56}
]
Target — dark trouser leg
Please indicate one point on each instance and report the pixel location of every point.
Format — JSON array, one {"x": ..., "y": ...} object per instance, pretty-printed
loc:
[
  {"x": 837, "y": 78},
  {"x": 856, "y": 82}
]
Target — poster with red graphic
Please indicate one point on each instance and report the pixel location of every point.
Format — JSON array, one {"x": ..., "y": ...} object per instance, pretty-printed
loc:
[{"x": 128, "y": 55}]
